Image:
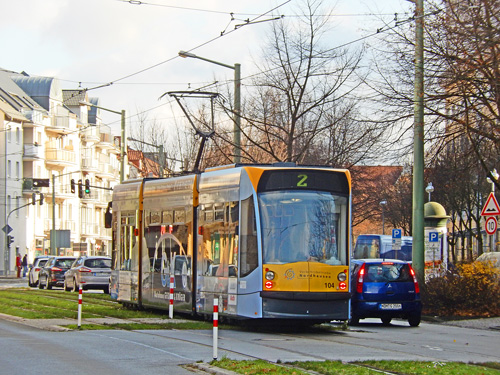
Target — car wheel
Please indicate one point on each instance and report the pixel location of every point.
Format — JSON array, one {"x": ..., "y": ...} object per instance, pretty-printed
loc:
[
  {"x": 47, "y": 284},
  {"x": 65, "y": 287},
  {"x": 414, "y": 320},
  {"x": 106, "y": 290},
  {"x": 75, "y": 286},
  {"x": 29, "y": 281},
  {"x": 386, "y": 321},
  {"x": 40, "y": 286}
]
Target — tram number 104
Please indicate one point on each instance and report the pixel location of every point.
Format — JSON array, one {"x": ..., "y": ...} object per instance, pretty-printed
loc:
[{"x": 329, "y": 285}]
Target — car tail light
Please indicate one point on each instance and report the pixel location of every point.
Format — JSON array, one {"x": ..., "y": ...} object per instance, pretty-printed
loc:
[
  {"x": 37, "y": 269},
  {"x": 56, "y": 269},
  {"x": 415, "y": 281},
  {"x": 361, "y": 276},
  {"x": 84, "y": 269}
]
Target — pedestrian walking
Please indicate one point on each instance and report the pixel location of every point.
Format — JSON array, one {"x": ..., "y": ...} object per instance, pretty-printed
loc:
[
  {"x": 19, "y": 264},
  {"x": 25, "y": 265}
]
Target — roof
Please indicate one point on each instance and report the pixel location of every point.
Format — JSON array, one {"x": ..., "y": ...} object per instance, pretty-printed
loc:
[
  {"x": 74, "y": 97},
  {"x": 14, "y": 95},
  {"x": 41, "y": 89}
]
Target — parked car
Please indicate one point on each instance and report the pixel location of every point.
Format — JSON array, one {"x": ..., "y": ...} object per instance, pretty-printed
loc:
[
  {"x": 491, "y": 258},
  {"x": 35, "y": 268},
  {"x": 52, "y": 274},
  {"x": 385, "y": 289},
  {"x": 91, "y": 272}
]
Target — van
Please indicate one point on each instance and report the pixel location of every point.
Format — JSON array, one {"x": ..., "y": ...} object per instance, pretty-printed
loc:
[{"x": 374, "y": 246}]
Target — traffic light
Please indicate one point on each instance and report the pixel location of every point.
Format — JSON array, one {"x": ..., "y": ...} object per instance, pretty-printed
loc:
[
  {"x": 33, "y": 198},
  {"x": 10, "y": 239},
  {"x": 72, "y": 185},
  {"x": 41, "y": 199},
  {"x": 87, "y": 186},
  {"x": 80, "y": 189},
  {"x": 41, "y": 182}
]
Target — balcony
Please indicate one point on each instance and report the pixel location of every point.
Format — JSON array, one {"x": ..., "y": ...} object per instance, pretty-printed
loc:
[
  {"x": 60, "y": 125},
  {"x": 91, "y": 134},
  {"x": 90, "y": 165},
  {"x": 61, "y": 158},
  {"x": 32, "y": 152},
  {"x": 60, "y": 224},
  {"x": 108, "y": 171},
  {"x": 106, "y": 141},
  {"x": 89, "y": 229}
]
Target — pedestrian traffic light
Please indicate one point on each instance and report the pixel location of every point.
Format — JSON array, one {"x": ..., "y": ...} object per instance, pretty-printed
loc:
[
  {"x": 10, "y": 239},
  {"x": 87, "y": 186},
  {"x": 41, "y": 199},
  {"x": 72, "y": 185},
  {"x": 80, "y": 189},
  {"x": 33, "y": 198}
]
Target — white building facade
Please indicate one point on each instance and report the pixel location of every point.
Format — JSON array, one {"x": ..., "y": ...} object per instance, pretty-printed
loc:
[{"x": 51, "y": 138}]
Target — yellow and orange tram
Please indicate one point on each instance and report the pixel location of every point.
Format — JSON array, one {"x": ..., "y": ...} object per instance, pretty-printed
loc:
[{"x": 269, "y": 241}]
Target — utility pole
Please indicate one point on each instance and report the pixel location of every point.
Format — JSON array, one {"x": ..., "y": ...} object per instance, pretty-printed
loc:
[{"x": 418, "y": 145}]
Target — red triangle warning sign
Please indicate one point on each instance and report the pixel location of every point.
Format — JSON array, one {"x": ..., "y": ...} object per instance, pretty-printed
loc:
[{"x": 491, "y": 207}]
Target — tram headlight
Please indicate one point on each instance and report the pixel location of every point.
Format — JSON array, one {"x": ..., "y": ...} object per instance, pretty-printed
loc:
[
  {"x": 342, "y": 276},
  {"x": 269, "y": 275}
]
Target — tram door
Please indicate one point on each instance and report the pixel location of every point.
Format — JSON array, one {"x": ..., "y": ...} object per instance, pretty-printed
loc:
[{"x": 127, "y": 257}]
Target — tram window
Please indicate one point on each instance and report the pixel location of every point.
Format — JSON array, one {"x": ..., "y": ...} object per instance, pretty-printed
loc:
[
  {"x": 311, "y": 228},
  {"x": 180, "y": 216},
  {"x": 167, "y": 217},
  {"x": 127, "y": 241},
  {"x": 155, "y": 217},
  {"x": 219, "y": 247},
  {"x": 248, "y": 251}
]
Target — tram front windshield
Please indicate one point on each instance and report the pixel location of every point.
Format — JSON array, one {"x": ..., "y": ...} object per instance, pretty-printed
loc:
[{"x": 299, "y": 226}]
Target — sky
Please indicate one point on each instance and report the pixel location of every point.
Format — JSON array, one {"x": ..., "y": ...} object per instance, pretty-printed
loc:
[{"x": 126, "y": 52}]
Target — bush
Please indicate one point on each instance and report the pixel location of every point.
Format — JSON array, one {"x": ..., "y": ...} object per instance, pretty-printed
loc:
[{"x": 471, "y": 290}]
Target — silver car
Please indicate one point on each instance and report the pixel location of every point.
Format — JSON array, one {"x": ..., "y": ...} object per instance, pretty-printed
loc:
[
  {"x": 35, "y": 268},
  {"x": 91, "y": 272}
]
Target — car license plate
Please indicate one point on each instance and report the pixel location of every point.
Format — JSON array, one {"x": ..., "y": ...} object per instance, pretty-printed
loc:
[{"x": 390, "y": 306}]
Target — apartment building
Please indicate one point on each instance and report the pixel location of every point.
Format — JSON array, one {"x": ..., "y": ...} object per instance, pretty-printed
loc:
[{"x": 53, "y": 142}]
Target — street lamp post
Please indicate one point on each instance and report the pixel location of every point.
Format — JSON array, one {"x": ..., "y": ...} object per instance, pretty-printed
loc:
[
  {"x": 123, "y": 142},
  {"x": 429, "y": 189},
  {"x": 382, "y": 204},
  {"x": 237, "y": 100}
]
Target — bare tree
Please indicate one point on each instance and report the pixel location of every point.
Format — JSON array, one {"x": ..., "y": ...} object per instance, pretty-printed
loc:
[{"x": 303, "y": 105}]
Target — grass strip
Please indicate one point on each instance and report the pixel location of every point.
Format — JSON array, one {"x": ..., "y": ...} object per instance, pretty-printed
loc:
[
  {"x": 143, "y": 326},
  {"x": 426, "y": 368},
  {"x": 256, "y": 367}
]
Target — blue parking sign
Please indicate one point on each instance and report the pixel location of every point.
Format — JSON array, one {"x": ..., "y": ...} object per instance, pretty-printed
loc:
[
  {"x": 396, "y": 233},
  {"x": 433, "y": 236}
]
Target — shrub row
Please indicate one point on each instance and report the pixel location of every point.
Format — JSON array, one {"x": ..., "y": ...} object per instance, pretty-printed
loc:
[{"x": 470, "y": 290}]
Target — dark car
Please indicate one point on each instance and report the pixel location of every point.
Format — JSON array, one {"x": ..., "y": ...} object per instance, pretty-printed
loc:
[
  {"x": 385, "y": 289},
  {"x": 52, "y": 274},
  {"x": 91, "y": 272},
  {"x": 35, "y": 268}
]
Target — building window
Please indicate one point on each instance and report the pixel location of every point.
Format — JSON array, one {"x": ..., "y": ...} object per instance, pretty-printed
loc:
[
  {"x": 18, "y": 169},
  {"x": 9, "y": 168},
  {"x": 18, "y": 136}
]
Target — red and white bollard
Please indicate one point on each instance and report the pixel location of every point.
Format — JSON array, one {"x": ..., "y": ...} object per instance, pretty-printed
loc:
[
  {"x": 80, "y": 307},
  {"x": 171, "y": 305},
  {"x": 216, "y": 327}
]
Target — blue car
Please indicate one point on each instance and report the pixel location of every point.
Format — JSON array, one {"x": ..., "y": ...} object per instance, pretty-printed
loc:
[{"x": 385, "y": 289}]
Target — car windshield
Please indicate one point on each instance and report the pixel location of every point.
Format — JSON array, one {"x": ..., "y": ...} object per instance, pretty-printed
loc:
[
  {"x": 64, "y": 262},
  {"x": 98, "y": 263},
  {"x": 388, "y": 272},
  {"x": 303, "y": 226},
  {"x": 42, "y": 262}
]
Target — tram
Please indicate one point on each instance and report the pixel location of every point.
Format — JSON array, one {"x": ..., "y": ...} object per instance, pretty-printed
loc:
[{"x": 269, "y": 241}]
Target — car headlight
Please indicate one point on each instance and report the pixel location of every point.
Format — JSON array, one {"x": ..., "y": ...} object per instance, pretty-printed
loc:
[
  {"x": 269, "y": 275},
  {"x": 342, "y": 276}
]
